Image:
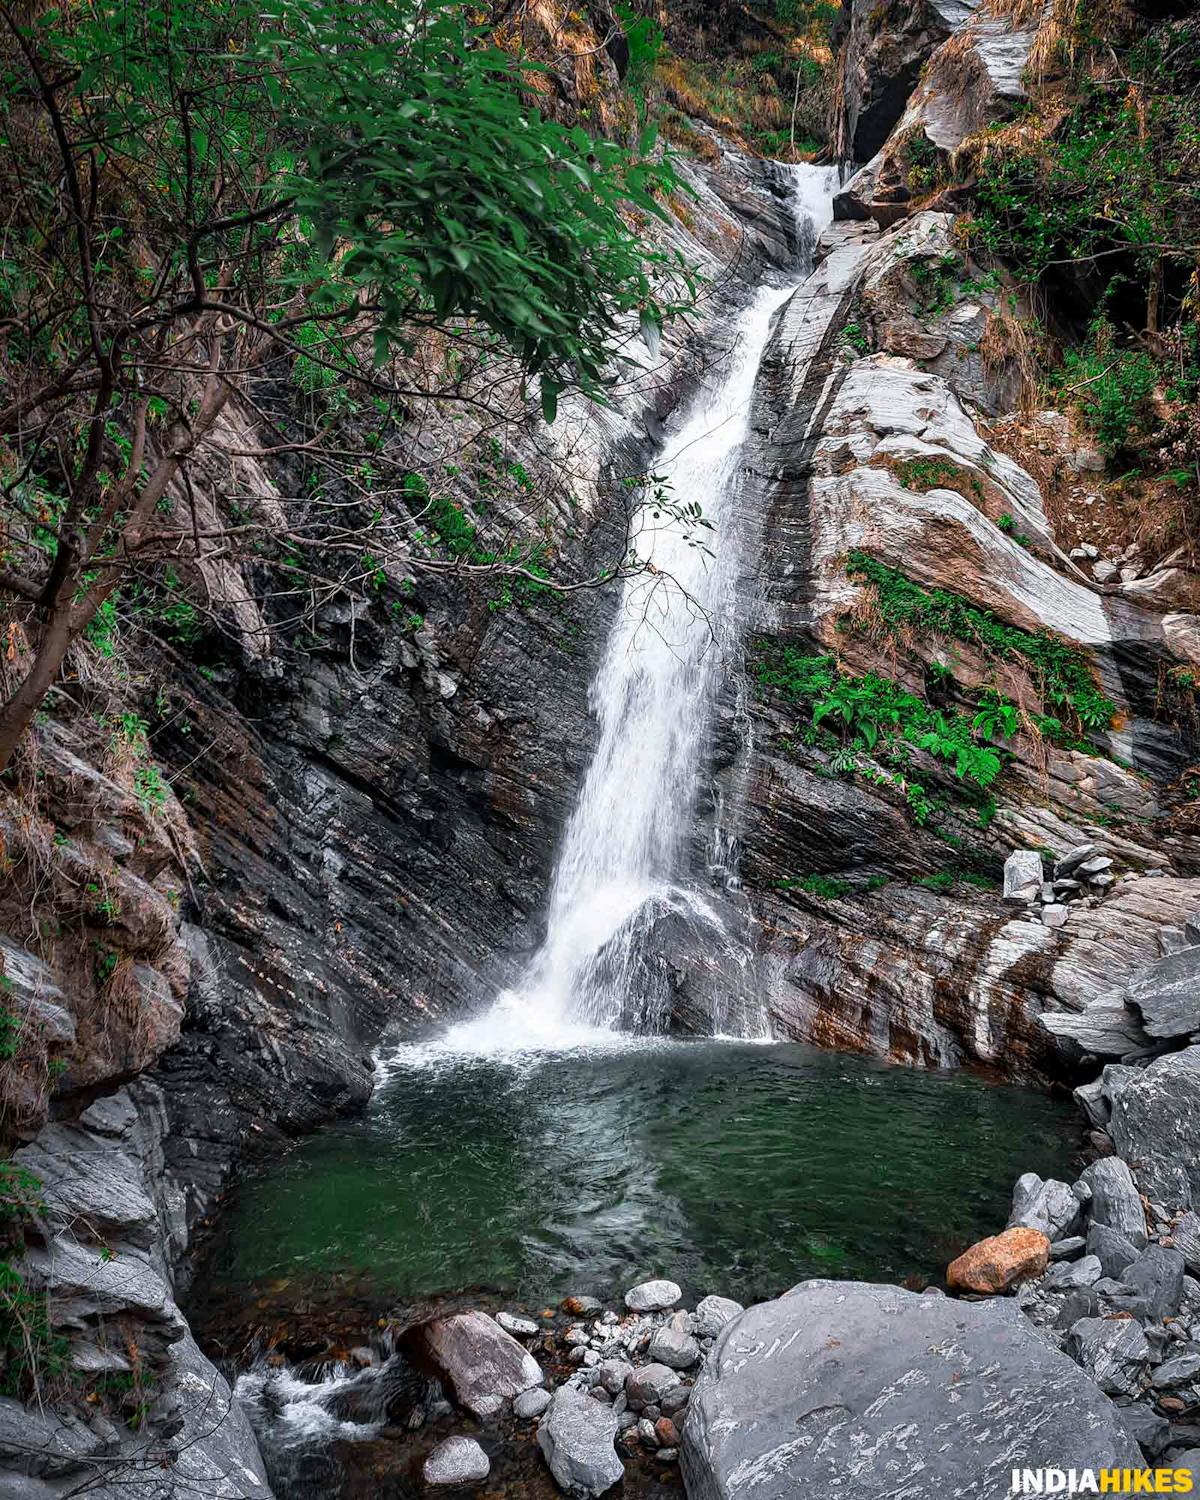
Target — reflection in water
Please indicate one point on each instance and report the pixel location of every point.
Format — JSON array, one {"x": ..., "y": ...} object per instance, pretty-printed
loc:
[{"x": 732, "y": 1167}]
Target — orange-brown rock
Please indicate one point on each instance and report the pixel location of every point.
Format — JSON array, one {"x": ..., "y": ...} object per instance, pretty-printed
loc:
[{"x": 997, "y": 1264}]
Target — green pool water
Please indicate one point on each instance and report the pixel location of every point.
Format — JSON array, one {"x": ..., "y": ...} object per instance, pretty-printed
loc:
[{"x": 731, "y": 1167}]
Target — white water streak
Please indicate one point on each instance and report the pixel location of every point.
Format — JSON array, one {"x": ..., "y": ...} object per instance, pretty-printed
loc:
[{"x": 622, "y": 856}]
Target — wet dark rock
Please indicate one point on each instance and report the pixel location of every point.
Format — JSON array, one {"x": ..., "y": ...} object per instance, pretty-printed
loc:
[
  {"x": 1068, "y": 1248},
  {"x": 649, "y": 1384},
  {"x": 1157, "y": 1278}
]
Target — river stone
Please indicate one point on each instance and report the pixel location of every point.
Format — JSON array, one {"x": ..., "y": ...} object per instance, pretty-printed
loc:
[
  {"x": 647, "y": 1386},
  {"x": 1115, "y": 1201},
  {"x": 1113, "y": 1250},
  {"x": 531, "y": 1403},
  {"x": 613, "y": 1374},
  {"x": 1167, "y": 994},
  {"x": 843, "y": 1387},
  {"x": 480, "y": 1364},
  {"x": 577, "y": 1436},
  {"x": 1051, "y": 1206},
  {"x": 999, "y": 1262},
  {"x": 458, "y": 1460},
  {"x": 1156, "y": 1127},
  {"x": 1114, "y": 1352},
  {"x": 1023, "y": 876},
  {"x": 523, "y": 1328},
  {"x": 712, "y": 1314},
  {"x": 670, "y": 1346},
  {"x": 1069, "y": 1275},
  {"x": 652, "y": 1296}
]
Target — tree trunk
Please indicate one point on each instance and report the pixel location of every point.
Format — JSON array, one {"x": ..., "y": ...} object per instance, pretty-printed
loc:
[{"x": 18, "y": 713}]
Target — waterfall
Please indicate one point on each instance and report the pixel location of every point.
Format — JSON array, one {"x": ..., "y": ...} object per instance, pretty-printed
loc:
[{"x": 621, "y": 868}]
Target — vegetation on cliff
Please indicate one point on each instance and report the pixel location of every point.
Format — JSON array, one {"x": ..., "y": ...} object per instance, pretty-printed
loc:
[{"x": 216, "y": 204}]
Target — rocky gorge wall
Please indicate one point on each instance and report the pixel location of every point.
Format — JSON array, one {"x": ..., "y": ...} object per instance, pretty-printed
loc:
[
  {"x": 360, "y": 835},
  {"x": 211, "y": 914}
]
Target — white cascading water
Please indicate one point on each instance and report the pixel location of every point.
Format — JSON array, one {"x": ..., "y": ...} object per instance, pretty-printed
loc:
[{"x": 622, "y": 854}]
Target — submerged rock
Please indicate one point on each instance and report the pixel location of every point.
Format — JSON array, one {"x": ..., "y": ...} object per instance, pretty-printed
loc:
[
  {"x": 998, "y": 1263},
  {"x": 480, "y": 1364},
  {"x": 577, "y": 1436},
  {"x": 459, "y": 1460},
  {"x": 842, "y": 1386}
]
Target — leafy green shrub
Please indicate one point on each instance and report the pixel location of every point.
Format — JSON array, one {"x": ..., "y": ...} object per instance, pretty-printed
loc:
[
  {"x": 1111, "y": 387},
  {"x": 933, "y": 473},
  {"x": 943, "y": 880},
  {"x": 1061, "y": 670},
  {"x": 824, "y": 887}
]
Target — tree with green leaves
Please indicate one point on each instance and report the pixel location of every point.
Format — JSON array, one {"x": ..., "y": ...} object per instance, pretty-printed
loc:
[{"x": 207, "y": 201}]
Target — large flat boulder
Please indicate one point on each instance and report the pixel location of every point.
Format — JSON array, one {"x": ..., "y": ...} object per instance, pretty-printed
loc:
[
  {"x": 847, "y": 1388},
  {"x": 480, "y": 1364},
  {"x": 1155, "y": 1127}
]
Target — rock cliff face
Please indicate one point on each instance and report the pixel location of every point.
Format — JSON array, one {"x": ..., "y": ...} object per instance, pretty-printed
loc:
[
  {"x": 349, "y": 837},
  {"x": 891, "y": 501}
]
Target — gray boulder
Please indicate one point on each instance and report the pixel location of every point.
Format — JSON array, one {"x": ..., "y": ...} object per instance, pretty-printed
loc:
[
  {"x": 577, "y": 1437},
  {"x": 1067, "y": 1275},
  {"x": 1023, "y": 876},
  {"x": 1156, "y": 1127},
  {"x": 1051, "y": 1206},
  {"x": 459, "y": 1460},
  {"x": 652, "y": 1296},
  {"x": 531, "y": 1403},
  {"x": 712, "y": 1314},
  {"x": 843, "y": 1387},
  {"x": 1167, "y": 994},
  {"x": 1182, "y": 1370},
  {"x": 480, "y": 1365},
  {"x": 1156, "y": 1277},
  {"x": 670, "y": 1346},
  {"x": 1114, "y": 1352},
  {"x": 1111, "y": 1248},
  {"x": 1115, "y": 1201}
]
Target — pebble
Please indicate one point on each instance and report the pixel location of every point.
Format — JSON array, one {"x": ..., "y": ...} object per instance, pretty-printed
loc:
[
  {"x": 646, "y": 1433},
  {"x": 665, "y": 1431},
  {"x": 676, "y": 1400},
  {"x": 670, "y": 1347},
  {"x": 667, "y": 1455}
]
